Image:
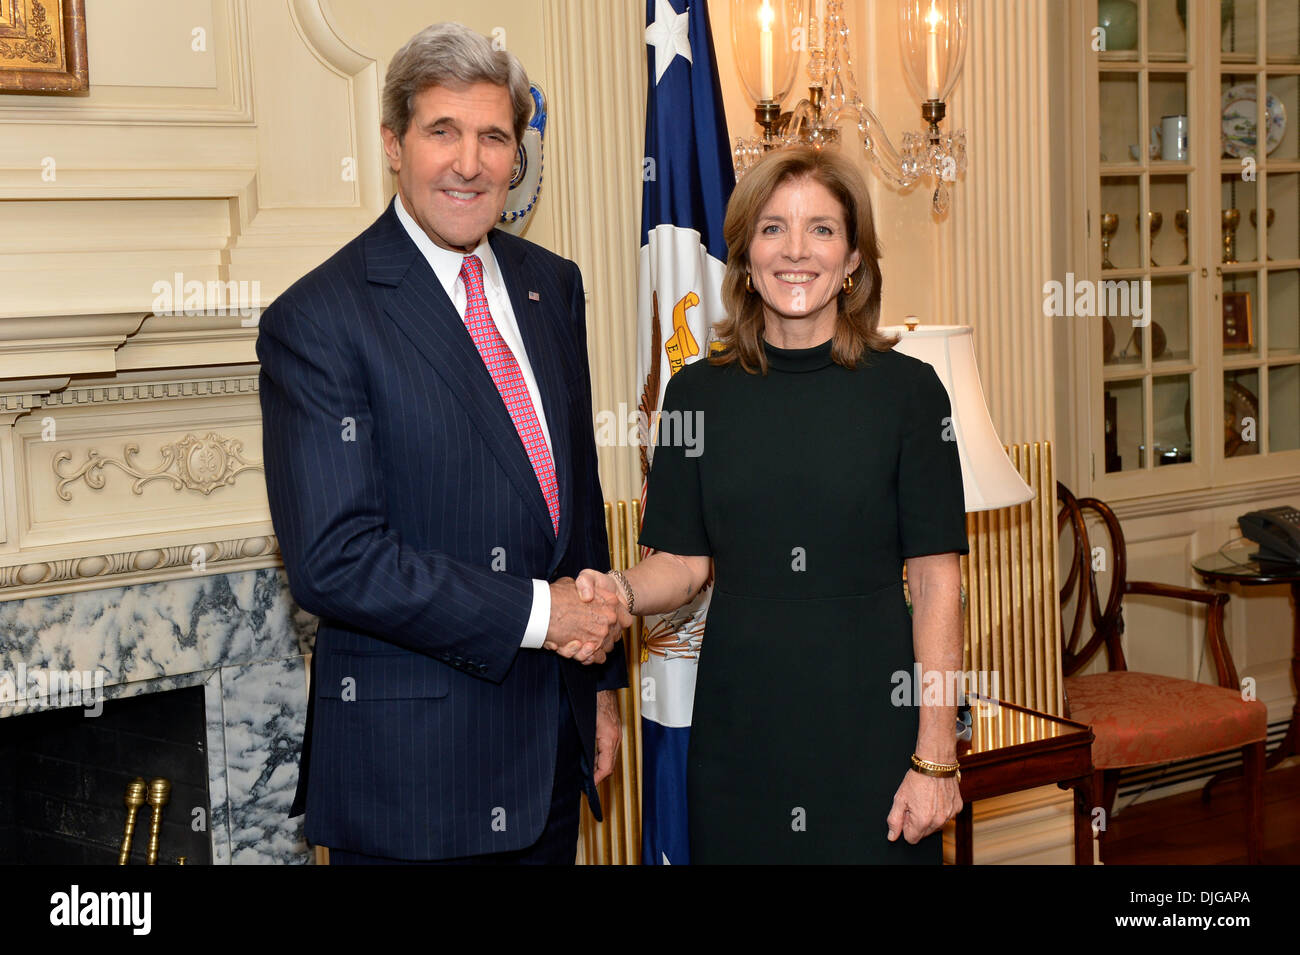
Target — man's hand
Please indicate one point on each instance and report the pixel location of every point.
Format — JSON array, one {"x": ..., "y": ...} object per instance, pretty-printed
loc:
[
  {"x": 583, "y": 630},
  {"x": 609, "y": 732},
  {"x": 592, "y": 583}
]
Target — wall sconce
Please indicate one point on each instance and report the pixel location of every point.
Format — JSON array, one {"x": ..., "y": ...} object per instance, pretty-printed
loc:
[
  {"x": 933, "y": 35},
  {"x": 762, "y": 36}
]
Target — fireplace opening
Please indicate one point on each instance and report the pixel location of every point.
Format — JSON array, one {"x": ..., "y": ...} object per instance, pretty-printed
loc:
[{"x": 63, "y": 790}]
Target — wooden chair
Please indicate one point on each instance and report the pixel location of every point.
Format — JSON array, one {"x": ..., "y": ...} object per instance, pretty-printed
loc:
[{"x": 1142, "y": 719}]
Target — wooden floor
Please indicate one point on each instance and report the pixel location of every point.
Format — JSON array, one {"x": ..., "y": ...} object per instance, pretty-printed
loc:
[{"x": 1182, "y": 830}]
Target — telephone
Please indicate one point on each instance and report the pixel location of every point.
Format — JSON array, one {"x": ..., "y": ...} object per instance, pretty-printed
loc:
[{"x": 1277, "y": 532}]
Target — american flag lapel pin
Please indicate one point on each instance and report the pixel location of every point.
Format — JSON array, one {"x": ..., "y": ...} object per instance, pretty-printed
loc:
[{"x": 534, "y": 297}]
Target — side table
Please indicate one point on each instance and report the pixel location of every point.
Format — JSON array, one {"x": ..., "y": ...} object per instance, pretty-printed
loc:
[
  {"x": 1015, "y": 748},
  {"x": 1233, "y": 565}
]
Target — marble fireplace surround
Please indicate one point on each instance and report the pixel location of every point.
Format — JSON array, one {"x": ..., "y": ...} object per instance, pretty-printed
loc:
[
  {"x": 240, "y": 636},
  {"x": 136, "y": 545}
]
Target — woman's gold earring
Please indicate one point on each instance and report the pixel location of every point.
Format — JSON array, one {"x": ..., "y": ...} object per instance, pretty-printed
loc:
[
  {"x": 749, "y": 286},
  {"x": 848, "y": 283}
]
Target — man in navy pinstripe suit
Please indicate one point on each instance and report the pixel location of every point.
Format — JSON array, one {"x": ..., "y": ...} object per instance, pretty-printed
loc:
[{"x": 431, "y": 470}]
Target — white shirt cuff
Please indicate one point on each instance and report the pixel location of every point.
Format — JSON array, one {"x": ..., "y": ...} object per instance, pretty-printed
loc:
[{"x": 540, "y": 618}]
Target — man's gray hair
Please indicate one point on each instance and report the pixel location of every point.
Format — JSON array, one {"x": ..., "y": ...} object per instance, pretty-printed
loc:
[{"x": 451, "y": 54}]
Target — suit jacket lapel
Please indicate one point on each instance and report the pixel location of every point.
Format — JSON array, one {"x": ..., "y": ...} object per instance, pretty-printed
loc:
[{"x": 420, "y": 306}]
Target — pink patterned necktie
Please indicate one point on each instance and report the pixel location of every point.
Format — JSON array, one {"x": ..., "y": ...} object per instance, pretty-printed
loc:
[{"x": 503, "y": 368}]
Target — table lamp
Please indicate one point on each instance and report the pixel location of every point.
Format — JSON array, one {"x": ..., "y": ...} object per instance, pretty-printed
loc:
[{"x": 988, "y": 477}]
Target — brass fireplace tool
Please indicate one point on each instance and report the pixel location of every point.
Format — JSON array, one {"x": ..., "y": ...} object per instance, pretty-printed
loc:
[
  {"x": 160, "y": 791},
  {"x": 134, "y": 800},
  {"x": 157, "y": 794}
]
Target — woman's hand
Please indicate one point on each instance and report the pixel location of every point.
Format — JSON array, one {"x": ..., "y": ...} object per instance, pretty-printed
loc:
[
  {"x": 660, "y": 583},
  {"x": 922, "y": 805}
]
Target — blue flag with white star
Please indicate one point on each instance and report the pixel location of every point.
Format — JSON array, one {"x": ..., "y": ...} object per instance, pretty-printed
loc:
[{"x": 688, "y": 180}]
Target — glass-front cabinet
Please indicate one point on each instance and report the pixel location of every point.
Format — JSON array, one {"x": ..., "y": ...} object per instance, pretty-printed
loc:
[{"x": 1187, "y": 255}]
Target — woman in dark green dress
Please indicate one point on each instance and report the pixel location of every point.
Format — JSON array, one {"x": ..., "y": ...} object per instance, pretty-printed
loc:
[{"x": 823, "y": 469}]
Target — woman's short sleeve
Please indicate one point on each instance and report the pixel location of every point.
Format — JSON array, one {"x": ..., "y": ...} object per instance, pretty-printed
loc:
[
  {"x": 931, "y": 501},
  {"x": 674, "y": 509}
]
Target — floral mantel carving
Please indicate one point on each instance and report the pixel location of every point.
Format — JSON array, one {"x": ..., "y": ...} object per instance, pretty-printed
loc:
[{"x": 199, "y": 464}]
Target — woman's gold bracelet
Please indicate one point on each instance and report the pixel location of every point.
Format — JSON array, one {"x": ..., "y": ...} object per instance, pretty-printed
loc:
[
  {"x": 627, "y": 590},
  {"x": 927, "y": 768}
]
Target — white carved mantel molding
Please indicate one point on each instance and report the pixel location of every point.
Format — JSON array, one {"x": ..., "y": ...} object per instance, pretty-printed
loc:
[
  {"x": 39, "y": 578},
  {"x": 63, "y": 344},
  {"x": 131, "y": 477},
  {"x": 198, "y": 464}
]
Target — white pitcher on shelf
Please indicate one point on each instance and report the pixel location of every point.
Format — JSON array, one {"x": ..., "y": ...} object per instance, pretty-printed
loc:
[{"x": 1169, "y": 140}]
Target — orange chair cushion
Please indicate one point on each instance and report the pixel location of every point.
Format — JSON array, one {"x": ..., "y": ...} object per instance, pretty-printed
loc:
[{"x": 1143, "y": 718}]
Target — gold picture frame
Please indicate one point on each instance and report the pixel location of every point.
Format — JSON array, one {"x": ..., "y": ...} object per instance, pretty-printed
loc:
[
  {"x": 1238, "y": 325},
  {"x": 43, "y": 46}
]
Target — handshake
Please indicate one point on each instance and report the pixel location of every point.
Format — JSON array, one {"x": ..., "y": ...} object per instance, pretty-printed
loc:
[{"x": 588, "y": 616}]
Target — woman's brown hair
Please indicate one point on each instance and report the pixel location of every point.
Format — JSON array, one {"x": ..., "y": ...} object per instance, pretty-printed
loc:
[{"x": 740, "y": 334}]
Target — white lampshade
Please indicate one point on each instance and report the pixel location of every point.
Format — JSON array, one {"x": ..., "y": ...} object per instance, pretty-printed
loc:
[{"x": 988, "y": 477}]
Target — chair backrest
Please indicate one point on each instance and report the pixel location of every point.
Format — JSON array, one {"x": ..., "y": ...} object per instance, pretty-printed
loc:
[{"x": 1091, "y": 553}]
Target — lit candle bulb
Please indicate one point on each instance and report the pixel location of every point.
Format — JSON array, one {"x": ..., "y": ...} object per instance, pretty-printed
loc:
[
  {"x": 765, "y": 17},
  {"x": 933, "y": 18}
]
